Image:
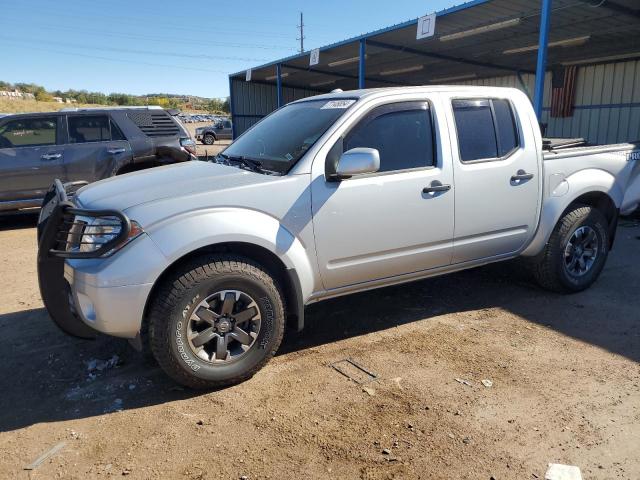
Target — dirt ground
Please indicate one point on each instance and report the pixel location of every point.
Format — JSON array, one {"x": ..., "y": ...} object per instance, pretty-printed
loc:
[{"x": 565, "y": 373}]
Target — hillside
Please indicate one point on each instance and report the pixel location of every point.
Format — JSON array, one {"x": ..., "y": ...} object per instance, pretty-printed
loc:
[{"x": 21, "y": 106}]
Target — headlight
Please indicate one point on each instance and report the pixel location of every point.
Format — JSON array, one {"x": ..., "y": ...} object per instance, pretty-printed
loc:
[
  {"x": 199, "y": 130},
  {"x": 101, "y": 230}
]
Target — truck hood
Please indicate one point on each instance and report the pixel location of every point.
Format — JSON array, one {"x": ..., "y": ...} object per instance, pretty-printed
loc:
[{"x": 172, "y": 181}]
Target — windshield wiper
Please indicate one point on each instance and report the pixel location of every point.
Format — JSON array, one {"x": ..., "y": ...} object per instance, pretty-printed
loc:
[{"x": 249, "y": 163}]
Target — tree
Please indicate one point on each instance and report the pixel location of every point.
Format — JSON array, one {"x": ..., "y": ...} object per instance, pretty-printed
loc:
[{"x": 43, "y": 96}]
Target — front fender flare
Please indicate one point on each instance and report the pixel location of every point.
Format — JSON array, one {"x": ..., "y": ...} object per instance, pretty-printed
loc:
[{"x": 186, "y": 233}]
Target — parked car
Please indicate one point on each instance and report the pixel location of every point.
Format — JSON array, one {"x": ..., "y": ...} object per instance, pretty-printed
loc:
[
  {"x": 204, "y": 263},
  {"x": 83, "y": 145},
  {"x": 220, "y": 130}
]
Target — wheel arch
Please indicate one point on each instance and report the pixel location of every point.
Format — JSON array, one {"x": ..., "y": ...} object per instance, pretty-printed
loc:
[
  {"x": 287, "y": 278},
  {"x": 592, "y": 187}
]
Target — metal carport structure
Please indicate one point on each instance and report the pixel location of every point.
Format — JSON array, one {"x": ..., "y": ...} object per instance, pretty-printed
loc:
[{"x": 484, "y": 42}]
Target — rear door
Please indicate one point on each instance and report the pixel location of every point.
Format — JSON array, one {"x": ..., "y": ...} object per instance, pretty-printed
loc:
[
  {"x": 96, "y": 148},
  {"x": 497, "y": 179},
  {"x": 30, "y": 157}
]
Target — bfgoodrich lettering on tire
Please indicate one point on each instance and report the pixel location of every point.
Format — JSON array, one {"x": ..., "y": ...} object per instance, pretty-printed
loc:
[
  {"x": 216, "y": 321},
  {"x": 576, "y": 252}
]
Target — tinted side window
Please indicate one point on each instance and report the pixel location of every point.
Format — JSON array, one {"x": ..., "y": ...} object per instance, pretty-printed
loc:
[
  {"x": 116, "y": 133},
  {"x": 404, "y": 137},
  {"x": 476, "y": 132},
  {"x": 88, "y": 128},
  {"x": 507, "y": 133},
  {"x": 227, "y": 124},
  {"x": 29, "y": 132}
]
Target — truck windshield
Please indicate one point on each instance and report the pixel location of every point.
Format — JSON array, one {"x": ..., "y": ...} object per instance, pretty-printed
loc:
[{"x": 280, "y": 140}]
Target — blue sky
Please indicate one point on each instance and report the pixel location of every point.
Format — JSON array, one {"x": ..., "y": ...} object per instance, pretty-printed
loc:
[{"x": 187, "y": 47}]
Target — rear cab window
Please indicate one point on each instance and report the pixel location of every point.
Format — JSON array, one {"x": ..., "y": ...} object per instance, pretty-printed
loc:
[
  {"x": 486, "y": 129},
  {"x": 29, "y": 132}
]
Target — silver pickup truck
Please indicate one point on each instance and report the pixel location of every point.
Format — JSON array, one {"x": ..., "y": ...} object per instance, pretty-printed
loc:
[{"x": 204, "y": 263}]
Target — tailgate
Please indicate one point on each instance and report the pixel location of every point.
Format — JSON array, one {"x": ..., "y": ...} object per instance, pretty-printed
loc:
[{"x": 631, "y": 198}]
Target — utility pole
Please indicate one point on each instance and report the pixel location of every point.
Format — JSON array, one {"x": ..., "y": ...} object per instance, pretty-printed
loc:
[{"x": 301, "y": 27}]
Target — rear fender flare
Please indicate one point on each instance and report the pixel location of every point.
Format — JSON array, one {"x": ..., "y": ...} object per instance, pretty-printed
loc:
[{"x": 574, "y": 186}]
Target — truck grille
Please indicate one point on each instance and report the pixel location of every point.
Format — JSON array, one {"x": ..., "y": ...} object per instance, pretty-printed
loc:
[{"x": 155, "y": 124}]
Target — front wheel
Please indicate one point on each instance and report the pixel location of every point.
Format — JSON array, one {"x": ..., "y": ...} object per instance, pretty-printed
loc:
[
  {"x": 217, "y": 322},
  {"x": 209, "y": 139},
  {"x": 575, "y": 253}
]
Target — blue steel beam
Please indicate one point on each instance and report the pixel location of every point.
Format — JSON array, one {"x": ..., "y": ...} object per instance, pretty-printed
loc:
[
  {"x": 362, "y": 63},
  {"x": 279, "y": 83},
  {"x": 232, "y": 109},
  {"x": 541, "y": 67},
  {"x": 441, "y": 56},
  {"x": 340, "y": 75}
]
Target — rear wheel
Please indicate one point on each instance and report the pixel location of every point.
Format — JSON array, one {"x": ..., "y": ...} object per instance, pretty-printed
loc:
[
  {"x": 209, "y": 139},
  {"x": 576, "y": 252},
  {"x": 216, "y": 322}
]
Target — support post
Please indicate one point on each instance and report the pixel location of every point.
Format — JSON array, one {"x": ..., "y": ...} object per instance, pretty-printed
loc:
[
  {"x": 361, "y": 66},
  {"x": 279, "y": 83},
  {"x": 232, "y": 109},
  {"x": 541, "y": 67}
]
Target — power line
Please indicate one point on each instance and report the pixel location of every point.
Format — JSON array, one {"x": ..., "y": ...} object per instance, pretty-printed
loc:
[
  {"x": 135, "y": 52},
  {"x": 171, "y": 39},
  {"x": 134, "y": 62}
]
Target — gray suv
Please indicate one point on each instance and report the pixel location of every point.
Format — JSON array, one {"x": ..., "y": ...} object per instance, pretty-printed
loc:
[{"x": 83, "y": 145}]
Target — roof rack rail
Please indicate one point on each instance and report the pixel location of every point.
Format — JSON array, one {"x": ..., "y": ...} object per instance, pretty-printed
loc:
[{"x": 107, "y": 107}]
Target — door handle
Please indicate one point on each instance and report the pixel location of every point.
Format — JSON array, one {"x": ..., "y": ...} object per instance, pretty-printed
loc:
[
  {"x": 114, "y": 151},
  {"x": 521, "y": 176},
  {"x": 51, "y": 156},
  {"x": 436, "y": 187}
]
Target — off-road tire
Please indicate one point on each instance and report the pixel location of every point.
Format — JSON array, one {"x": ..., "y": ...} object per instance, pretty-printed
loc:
[
  {"x": 208, "y": 139},
  {"x": 548, "y": 267},
  {"x": 177, "y": 297}
]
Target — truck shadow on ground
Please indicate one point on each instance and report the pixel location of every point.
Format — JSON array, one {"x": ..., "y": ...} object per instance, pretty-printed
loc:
[
  {"x": 46, "y": 376},
  {"x": 18, "y": 221}
]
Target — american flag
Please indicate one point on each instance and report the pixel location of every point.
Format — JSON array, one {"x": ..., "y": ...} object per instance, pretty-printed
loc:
[{"x": 563, "y": 86}]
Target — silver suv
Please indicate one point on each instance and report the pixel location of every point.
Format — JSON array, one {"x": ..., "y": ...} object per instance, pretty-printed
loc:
[{"x": 204, "y": 263}]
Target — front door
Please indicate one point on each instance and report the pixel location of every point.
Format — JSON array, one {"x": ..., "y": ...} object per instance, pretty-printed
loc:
[
  {"x": 30, "y": 158},
  {"x": 384, "y": 224},
  {"x": 224, "y": 130},
  {"x": 497, "y": 178}
]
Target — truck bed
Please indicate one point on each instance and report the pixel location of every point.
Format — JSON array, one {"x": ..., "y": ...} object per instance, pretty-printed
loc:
[
  {"x": 621, "y": 160},
  {"x": 568, "y": 150}
]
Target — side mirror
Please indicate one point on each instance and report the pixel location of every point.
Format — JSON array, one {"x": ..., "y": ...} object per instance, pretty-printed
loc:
[{"x": 358, "y": 161}]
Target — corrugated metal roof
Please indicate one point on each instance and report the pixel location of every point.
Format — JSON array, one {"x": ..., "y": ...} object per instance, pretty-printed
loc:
[{"x": 581, "y": 30}]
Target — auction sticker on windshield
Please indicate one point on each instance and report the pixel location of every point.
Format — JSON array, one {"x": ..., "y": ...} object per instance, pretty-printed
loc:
[{"x": 338, "y": 104}]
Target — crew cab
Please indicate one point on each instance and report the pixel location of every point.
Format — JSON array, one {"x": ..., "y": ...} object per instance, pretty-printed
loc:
[
  {"x": 220, "y": 130},
  {"x": 204, "y": 263},
  {"x": 83, "y": 145}
]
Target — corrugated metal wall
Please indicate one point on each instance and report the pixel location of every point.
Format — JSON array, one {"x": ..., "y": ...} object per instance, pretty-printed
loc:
[
  {"x": 607, "y": 102},
  {"x": 252, "y": 101}
]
